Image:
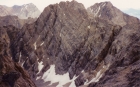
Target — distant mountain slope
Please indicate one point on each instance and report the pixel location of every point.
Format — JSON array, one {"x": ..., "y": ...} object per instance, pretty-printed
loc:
[
  {"x": 23, "y": 12},
  {"x": 133, "y": 12},
  {"x": 106, "y": 10},
  {"x": 15, "y": 21}
]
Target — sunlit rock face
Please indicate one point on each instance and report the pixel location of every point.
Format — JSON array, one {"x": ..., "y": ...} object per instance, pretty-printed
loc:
[
  {"x": 23, "y": 12},
  {"x": 106, "y": 10},
  {"x": 68, "y": 46}
]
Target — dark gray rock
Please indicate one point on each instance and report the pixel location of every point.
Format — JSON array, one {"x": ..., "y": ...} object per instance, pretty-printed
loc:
[
  {"x": 11, "y": 73},
  {"x": 10, "y": 78},
  {"x": 94, "y": 51}
]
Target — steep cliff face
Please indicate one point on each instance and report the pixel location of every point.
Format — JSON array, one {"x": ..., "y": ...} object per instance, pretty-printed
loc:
[
  {"x": 124, "y": 53},
  {"x": 106, "y": 10},
  {"x": 23, "y": 12},
  {"x": 11, "y": 73},
  {"x": 69, "y": 47}
]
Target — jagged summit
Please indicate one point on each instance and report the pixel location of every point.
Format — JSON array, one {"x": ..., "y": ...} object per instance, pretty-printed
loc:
[
  {"x": 106, "y": 10},
  {"x": 68, "y": 46}
]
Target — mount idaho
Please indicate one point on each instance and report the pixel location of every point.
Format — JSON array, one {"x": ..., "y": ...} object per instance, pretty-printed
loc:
[{"x": 70, "y": 46}]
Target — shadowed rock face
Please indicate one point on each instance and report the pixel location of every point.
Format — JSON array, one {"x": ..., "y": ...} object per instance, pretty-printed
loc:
[
  {"x": 10, "y": 78},
  {"x": 68, "y": 47},
  {"x": 124, "y": 70},
  {"x": 11, "y": 73},
  {"x": 106, "y": 10}
]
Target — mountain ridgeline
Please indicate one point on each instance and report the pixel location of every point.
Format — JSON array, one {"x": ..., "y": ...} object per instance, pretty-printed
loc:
[
  {"x": 15, "y": 21},
  {"x": 18, "y": 16},
  {"x": 70, "y": 46},
  {"x": 23, "y": 12}
]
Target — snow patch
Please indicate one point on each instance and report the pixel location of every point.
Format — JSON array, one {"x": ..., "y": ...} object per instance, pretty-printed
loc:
[
  {"x": 82, "y": 71},
  {"x": 86, "y": 82},
  {"x": 40, "y": 66},
  {"x": 60, "y": 35},
  {"x": 97, "y": 11},
  {"x": 98, "y": 76},
  {"x": 38, "y": 77},
  {"x": 104, "y": 4},
  {"x": 20, "y": 55},
  {"x": 50, "y": 75},
  {"x": 88, "y": 27},
  {"x": 91, "y": 10},
  {"x": 23, "y": 63},
  {"x": 96, "y": 79},
  {"x": 73, "y": 82},
  {"x": 35, "y": 46},
  {"x": 100, "y": 15},
  {"x": 41, "y": 43}
]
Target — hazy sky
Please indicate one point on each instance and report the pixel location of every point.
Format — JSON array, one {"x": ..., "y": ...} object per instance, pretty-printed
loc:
[{"x": 41, "y": 4}]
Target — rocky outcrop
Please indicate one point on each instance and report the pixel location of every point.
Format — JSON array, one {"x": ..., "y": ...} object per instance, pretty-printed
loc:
[
  {"x": 68, "y": 47},
  {"x": 124, "y": 52},
  {"x": 10, "y": 78},
  {"x": 106, "y": 10},
  {"x": 15, "y": 21},
  {"x": 11, "y": 73},
  {"x": 23, "y": 12}
]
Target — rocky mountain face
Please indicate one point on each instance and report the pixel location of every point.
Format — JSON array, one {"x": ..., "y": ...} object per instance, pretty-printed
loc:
[
  {"x": 68, "y": 46},
  {"x": 11, "y": 73},
  {"x": 23, "y": 12},
  {"x": 107, "y": 11},
  {"x": 15, "y": 21}
]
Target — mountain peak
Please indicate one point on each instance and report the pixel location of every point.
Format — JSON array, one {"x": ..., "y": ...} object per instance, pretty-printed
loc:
[
  {"x": 29, "y": 4},
  {"x": 107, "y": 11},
  {"x": 65, "y": 47},
  {"x": 23, "y": 11}
]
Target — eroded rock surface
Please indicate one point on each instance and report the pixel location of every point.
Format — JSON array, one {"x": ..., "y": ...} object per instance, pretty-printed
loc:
[
  {"x": 69, "y": 47},
  {"x": 106, "y": 10},
  {"x": 11, "y": 73}
]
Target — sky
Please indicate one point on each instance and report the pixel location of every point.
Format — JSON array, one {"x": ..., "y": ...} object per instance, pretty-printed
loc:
[{"x": 41, "y": 4}]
